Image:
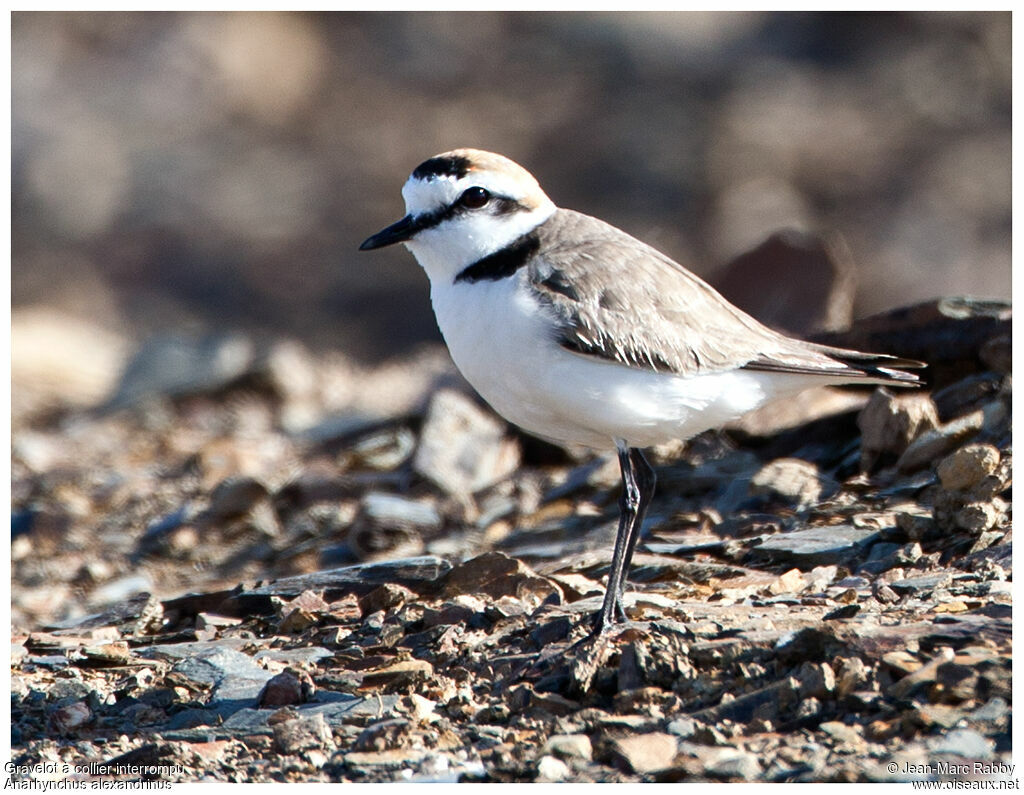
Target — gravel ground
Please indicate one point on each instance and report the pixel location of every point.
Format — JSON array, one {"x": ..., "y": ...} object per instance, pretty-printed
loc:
[{"x": 249, "y": 562}]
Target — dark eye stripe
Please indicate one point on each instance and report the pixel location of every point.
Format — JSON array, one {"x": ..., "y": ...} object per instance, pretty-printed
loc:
[{"x": 498, "y": 205}]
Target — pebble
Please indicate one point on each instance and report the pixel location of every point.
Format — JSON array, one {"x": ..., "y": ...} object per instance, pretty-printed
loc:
[
  {"x": 551, "y": 769},
  {"x": 964, "y": 743},
  {"x": 847, "y": 735},
  {"x": 890, "y": 422},
  {"x": 730, "y": 763},
  {"x": 791, "y": 481},
  {"x": 462, "y": 448},
  {"x": 938, "y": 441},
  {"x": 645, "y": 753},
  {"x": 967, "y": 466},
  {"x": 977, "y": 517},
  {"x": 302, "y": 734},
  {"x": 66, "y": 718},
  {"x": 289, "y": 687}
]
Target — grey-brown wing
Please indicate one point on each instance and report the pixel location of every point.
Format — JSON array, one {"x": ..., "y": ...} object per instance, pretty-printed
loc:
[{"x": 616, "y": 298}]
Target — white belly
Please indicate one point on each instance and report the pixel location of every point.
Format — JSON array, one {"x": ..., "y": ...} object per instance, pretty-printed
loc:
[{"x": 504, "y": 346}]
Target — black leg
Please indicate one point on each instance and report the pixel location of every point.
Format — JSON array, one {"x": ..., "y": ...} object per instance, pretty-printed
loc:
[
  {"x": 646, "y": 481},
  {"x": 637, "y": 489}
]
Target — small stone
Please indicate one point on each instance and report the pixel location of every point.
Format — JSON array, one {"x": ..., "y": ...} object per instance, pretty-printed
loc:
[
  {"x": 884, "y": 594},
  {"x": 291, "y": 686},
  {"x": 889, "y": 423},
  {"x": 234, "y": 497},
  {"x": 853, "y": 673},
  {"x": 644, "y": 753},
  {"x": 915, "y": 526},
  {"x": 399, "y": 674},
  {"x": 820, "y": 577},
  {"x": 993, "y": 710},
  {"x": 967, "y": 466},
  {"x": 816, "y": 679},
  {"x": 938, "y": 441},
  {"x": 389, "y": 525},
  {"x": 551, "y": 769},
  {"x": 790, "y": 582},
  {"x": 385, "y": 597},
  {"x": 67, "y": 718},
  {"x": 791, "y": 481},
  {"x": 309, "y": 732},
  {"x": 496, "y": 574},
  {"x": 808, "y": 708},
  {"x": 383, "y": 735},
  {"x": 462, "y": 448},
  {"x": 977, "y": 517},
  {"x": 731, "y": 763},
  {"x": 964, "y": 743},
  {"x": 816, "y": 544},
  {"x": 569, "y": 746},
  {"x": 926, "y": 673},
  {"x": 848, "y": 735},
  {"x": 922, "y": 586}
]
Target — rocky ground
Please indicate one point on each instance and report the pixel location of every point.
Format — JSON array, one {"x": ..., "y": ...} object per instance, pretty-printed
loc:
[{"x": 221, "y": 575}]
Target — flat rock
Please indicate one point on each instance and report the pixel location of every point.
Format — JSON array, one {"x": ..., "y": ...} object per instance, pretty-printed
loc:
[
  {"x": 816, "y": 545},
  {"x": 645, "y": 753}
]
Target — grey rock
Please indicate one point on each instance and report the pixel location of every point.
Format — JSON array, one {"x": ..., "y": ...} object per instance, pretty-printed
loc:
[
  {"x": 462, "y": 448},
  {"x": 791, "y": 481},
  {"x": 964, "y": 743},
  {"x": 731, "y": 763},
  {"x": 360, "y": 579},
  {"x": 816, "y": 545},
  {"x": 568, "y": 746},
  {"x": 551, "y": 769},
  {"x": 890, "y": 422},
  {"x": 302, "y": 733},
  {"x": 993, "y": 710},
  {"x": 391, "y": 525},
  {"x": 236, "y": 679},
  {"x": 175, "y": 366},
  {"x": 939, "y": 441}
]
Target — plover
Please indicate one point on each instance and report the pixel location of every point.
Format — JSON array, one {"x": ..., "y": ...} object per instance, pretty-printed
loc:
[{"x": 579, "y": 333}]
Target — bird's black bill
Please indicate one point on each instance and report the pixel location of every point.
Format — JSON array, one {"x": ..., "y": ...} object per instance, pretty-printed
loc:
[{"x": 398, "y": 232}]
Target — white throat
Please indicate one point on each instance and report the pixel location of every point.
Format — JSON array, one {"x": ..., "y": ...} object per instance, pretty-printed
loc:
[{"x": 450, "y": 247}]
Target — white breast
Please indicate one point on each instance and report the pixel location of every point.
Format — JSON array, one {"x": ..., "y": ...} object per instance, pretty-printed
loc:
[{"x": 505, "y": 346}]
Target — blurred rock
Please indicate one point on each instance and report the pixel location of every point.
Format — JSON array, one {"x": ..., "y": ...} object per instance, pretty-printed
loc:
[
  {"x": 791, "y": 481},
  {"x": 967, "y": 466},
  {"x": 947, "y": 333},
  {"x": 389, "y": 525},
  {"x": 177, "y": 366},
  {"x": 645, "y": 753},
  {"x": 302, "y": 734},
  {"x": 889, "y": 423},
  {"x": 938, "y": 441},
  {"x": 816, "y": 545},
  {"x": 794, "y": 282}
]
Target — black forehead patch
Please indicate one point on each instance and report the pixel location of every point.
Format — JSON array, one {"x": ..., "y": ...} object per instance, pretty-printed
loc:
[{"x": 454, "y": 166}]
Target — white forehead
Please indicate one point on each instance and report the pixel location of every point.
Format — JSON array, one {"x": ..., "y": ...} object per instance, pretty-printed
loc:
[{"x": 424, "y": 194}]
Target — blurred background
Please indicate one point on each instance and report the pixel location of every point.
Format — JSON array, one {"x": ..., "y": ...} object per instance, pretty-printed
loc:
[{"x": 202, "y": 172}]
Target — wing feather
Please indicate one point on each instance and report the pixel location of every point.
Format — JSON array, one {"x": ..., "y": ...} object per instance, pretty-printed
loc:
[{"x": 616, "y": 298}]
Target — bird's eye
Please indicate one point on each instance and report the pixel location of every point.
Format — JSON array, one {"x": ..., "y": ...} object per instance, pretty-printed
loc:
[{"x": 474, "y": 198}]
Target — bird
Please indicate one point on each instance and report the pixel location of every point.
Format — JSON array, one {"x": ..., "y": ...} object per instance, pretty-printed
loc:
[{"x": 581, "y": 334}]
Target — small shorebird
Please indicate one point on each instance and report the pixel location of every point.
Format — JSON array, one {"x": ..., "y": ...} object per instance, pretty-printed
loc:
[{"x": 580, "y": 333}]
